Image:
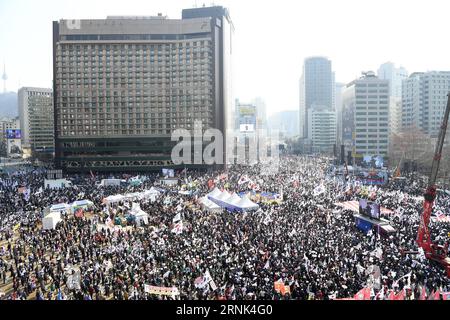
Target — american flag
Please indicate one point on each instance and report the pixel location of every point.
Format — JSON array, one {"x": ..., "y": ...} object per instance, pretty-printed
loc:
[
  {"x": 178, "y": 228},
  {"x": 441, "y": 217}
]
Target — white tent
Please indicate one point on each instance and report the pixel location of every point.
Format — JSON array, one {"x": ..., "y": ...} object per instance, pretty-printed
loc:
[
  {"x": 59, "y": 208},
  {"x": 224, "y": 196},
  {"x": 151, "y": 194},
  {"x": 215, "y": 193},
  {"x": 114, "y": 199},
  {"x": 51, "y": 220},
  {"x": 231, "y": 202},
  {"x": 83, "y": 204},
  {"x": 234, "y": 199},
  {"x": 140, "y": 215},
  {"x": 132, "y": 196},
  {"x": 209, "y": 205},
  {"x": 246, "y": 204}
]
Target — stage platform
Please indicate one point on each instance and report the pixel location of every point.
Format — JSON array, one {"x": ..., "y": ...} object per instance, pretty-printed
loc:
[{"x": 381, "y": 226}]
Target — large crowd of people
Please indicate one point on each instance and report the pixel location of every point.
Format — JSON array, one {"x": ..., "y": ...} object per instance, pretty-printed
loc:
[{"x": 306, "y": 242}]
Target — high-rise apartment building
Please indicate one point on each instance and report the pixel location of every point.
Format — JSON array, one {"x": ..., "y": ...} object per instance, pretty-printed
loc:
[
  {"x": 36, "y": 119},
  {"x": 424, "y": 98},
  {"x": 322, "y": 129},
  {"x": 388, "y": 71},
  {"x": 365, "y": 117},
  {"x": 122, "y": 85},
  {"x": 316, "y": 90}
]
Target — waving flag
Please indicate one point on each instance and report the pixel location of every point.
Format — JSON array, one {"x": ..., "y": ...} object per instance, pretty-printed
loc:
[
  {"x": 319, "y": 190},
  {"x": 177, "y": 218},
  {"x": 243, "y": 180},
  {"x": 441, "y": 217},
  {"x": 202, "y": 281},
  {"x": 254, "y": 186},
  {"x": 178, "y": 228},
  {"x": 267, "y": 219}
]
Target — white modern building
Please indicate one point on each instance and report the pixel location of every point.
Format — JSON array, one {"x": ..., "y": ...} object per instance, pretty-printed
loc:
[
  {"x": 388, "y": 71},
  {"x": 395, "y": 75},
  {"x": 366, "y": 104},
  {"x": 37, "y": 119},
  {"x": 395, "y": 115},
  {"x": 322, "y": 129},
  {"x": 424, "y": 98}
]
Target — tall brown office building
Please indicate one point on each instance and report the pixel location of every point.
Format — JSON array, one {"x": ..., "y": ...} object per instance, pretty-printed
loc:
[{"x": 123, "y": 84}]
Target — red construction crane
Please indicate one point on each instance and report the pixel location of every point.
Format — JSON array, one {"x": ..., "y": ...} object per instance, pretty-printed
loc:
[{"x": 433, "y": 251}]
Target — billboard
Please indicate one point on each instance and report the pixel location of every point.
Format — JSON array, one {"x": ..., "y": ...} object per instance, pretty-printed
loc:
[
  {"x": 13, "y": 134},
  {"x": 372, "y": 177},
  {"x": 369, "y": 209},
  {"x": 14, "y": 146},
  {"x": 168, "y": 173},
  {"x": 370, "y": 161},
  {"x": 247, "y": 110}
]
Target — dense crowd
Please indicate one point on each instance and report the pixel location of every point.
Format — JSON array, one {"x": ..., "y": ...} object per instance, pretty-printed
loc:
[{"x": 306, "y": 242}]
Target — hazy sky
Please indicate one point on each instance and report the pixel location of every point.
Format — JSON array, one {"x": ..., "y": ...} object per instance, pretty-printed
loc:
[{"x": 272, "y": 38}]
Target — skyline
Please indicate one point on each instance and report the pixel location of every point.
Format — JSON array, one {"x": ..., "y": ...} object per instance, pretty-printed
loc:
[{"x": 289, "y": 30}]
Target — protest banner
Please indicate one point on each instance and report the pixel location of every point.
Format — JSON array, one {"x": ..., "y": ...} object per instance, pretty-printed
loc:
[{"x": 161, "y": 291}]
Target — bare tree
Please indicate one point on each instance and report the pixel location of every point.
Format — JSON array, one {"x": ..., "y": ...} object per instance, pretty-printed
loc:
[{"x": 411, "y": 146}]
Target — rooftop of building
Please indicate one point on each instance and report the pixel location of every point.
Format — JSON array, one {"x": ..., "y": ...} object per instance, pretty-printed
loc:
[
  {"x": 37, "y": 89},
  {"x": 192, "y": 20}
]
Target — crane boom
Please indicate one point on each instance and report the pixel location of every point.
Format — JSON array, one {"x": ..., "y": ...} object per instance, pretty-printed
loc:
[{"x": 433, "y": 251}]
